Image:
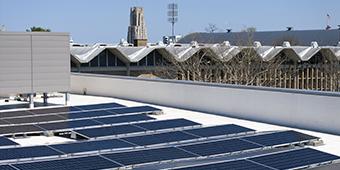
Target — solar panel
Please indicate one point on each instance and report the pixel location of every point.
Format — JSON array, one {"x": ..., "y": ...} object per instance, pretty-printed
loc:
[
  {"x": 134, "y": 128},
  {"x": 27, "y": 152},
  {"x": 86, "y": 114},
  {"x": 14, "y": 114},
  {"x": 234, "y": 165},
  {"x": 159, "y": 138},
  {"x": 6, "y": 142},
  {"x": 137, "y": 109},
  {"x": 219, "y": 130},
  {"x": 99, "y": 106},
  {"x": 2, "y": 122},
  {"x": 124, "y": 119},
  {"x": 19, "y": 129},
  {"x": 295, "y": 159},
  {"x": 109, "y": 131},
  {"x": 96, "y": 145},
  {"x": 83, "y": 163},
  {"x": 68, "y": 124},
  {"x": 279, "y": 138},
  {"x": 6, "y": 167},
  {"x": 54, "y": 110},
  {"x": 167, "y": 124},
  {"x": 34, "y": 119},
  {"x": 148, "y": 156},
  {"x": 219, "y": 147}
]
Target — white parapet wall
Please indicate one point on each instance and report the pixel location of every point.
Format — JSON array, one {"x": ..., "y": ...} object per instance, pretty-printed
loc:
[{"x": 311, "y": 110}]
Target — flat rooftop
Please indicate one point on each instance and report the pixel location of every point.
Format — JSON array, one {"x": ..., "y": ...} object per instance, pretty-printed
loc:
[{"x": 331, "y": 142}]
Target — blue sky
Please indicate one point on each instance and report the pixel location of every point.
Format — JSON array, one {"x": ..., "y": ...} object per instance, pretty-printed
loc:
[{"x": 91, "y": 21}]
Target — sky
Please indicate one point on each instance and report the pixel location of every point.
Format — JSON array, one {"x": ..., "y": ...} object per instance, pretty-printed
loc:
[{"x": 106, "y": 21}]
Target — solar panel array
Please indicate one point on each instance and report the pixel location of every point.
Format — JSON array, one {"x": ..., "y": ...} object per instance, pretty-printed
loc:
[
  {"x": 197, "y": 148},
  {"x": 137, "y": 128},
  {"x": 297, "y": 159},
  {"x": 119, "y": 136},
  {"x": 74, "y": 120}
]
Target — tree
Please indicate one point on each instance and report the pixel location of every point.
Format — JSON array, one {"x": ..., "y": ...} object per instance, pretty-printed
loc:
[
  {"x": 248, "y": 68},
  {"x": 211, "y": 28},
  {"x": 245, "y": 68},
  {"x": 38, "y": 29},
  {"x": 249, "y": 29}
]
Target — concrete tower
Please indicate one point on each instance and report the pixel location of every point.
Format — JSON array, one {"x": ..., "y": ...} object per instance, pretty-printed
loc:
[{"x": 137, "y": 30}]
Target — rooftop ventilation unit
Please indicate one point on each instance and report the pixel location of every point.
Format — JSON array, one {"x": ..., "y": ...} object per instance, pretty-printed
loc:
[
  {"x": 286, "y": 44},
  {"x": 314, "y": 44},
  {"x": 257, "y": 44},
  {"x": 226, "y": 44}
]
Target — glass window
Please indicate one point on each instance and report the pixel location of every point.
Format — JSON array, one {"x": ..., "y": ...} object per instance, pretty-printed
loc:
[
  {"x": 94, "y": 62},
  {"x": 142, "y": 62},
  {"x": 150, "y": 59},
  {"x": 111, "y": 59},
  {"x": 73, "y": 64},
  {"x": 133, "y": 64},
  {"x": 159, "y": 59},
  {"x": 84, "y": 64},
  {"x": 102, "y": 59},
  {"x": 120, "y": 62}
]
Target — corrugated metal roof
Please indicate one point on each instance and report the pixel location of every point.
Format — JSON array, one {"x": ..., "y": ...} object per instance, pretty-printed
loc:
[{"x": 223, "y": 51}]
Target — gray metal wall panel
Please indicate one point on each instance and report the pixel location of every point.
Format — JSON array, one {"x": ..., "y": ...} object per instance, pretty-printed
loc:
[
  {"x": 51, "y": 63},
  {"x": 34, "y": 62},
  {"x": 15, "y": 65}
]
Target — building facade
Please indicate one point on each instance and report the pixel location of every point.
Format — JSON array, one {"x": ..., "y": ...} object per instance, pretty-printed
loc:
[
  {"x": 301, "y": 67},
  {"x": 269, "y": 38},
  {"x": 137, "y": 33}
]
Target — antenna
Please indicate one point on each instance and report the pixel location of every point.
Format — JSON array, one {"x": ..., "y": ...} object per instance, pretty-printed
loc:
[
  {"x": 173, "y": 16},
  {"x": 328, "y": 27}
]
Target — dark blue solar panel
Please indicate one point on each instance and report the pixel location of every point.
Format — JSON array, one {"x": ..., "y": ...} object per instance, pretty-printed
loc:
[
  {"x": 14, "y": 114},
  {"x": 86, "y": 146},
  {"x": 6, "y": 167},
  {"x": 109, "y": 131},
  {"x": 124, "y": 119},
  {"x": 100, "y": 106},
  {"x": 234, "y": 165},
  {"x": 219, "y": 130},
  {"x": 219, "y": 147},
  {"x": 137, "y": 109},
  {"x": 19, "y": 129},
  {"x": 167, "y": 124},
  {"x": 54, "y": 110},
  {"x": 2, "y": 122},
  {"x": 295, "y": 159},
  {"x": 35, "y": 119},
  {"x": 27, "y": 152},
  {"x": 6, "y": 142},
  {"x": 279, "y": 138},
  {"x": 86, "y": 114},
  {"x": 68, "y": 124},
  {"x": 83, "y": 163},
  {"x": 147, "y": 156},
  {"x": 159, "y": 138}
]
